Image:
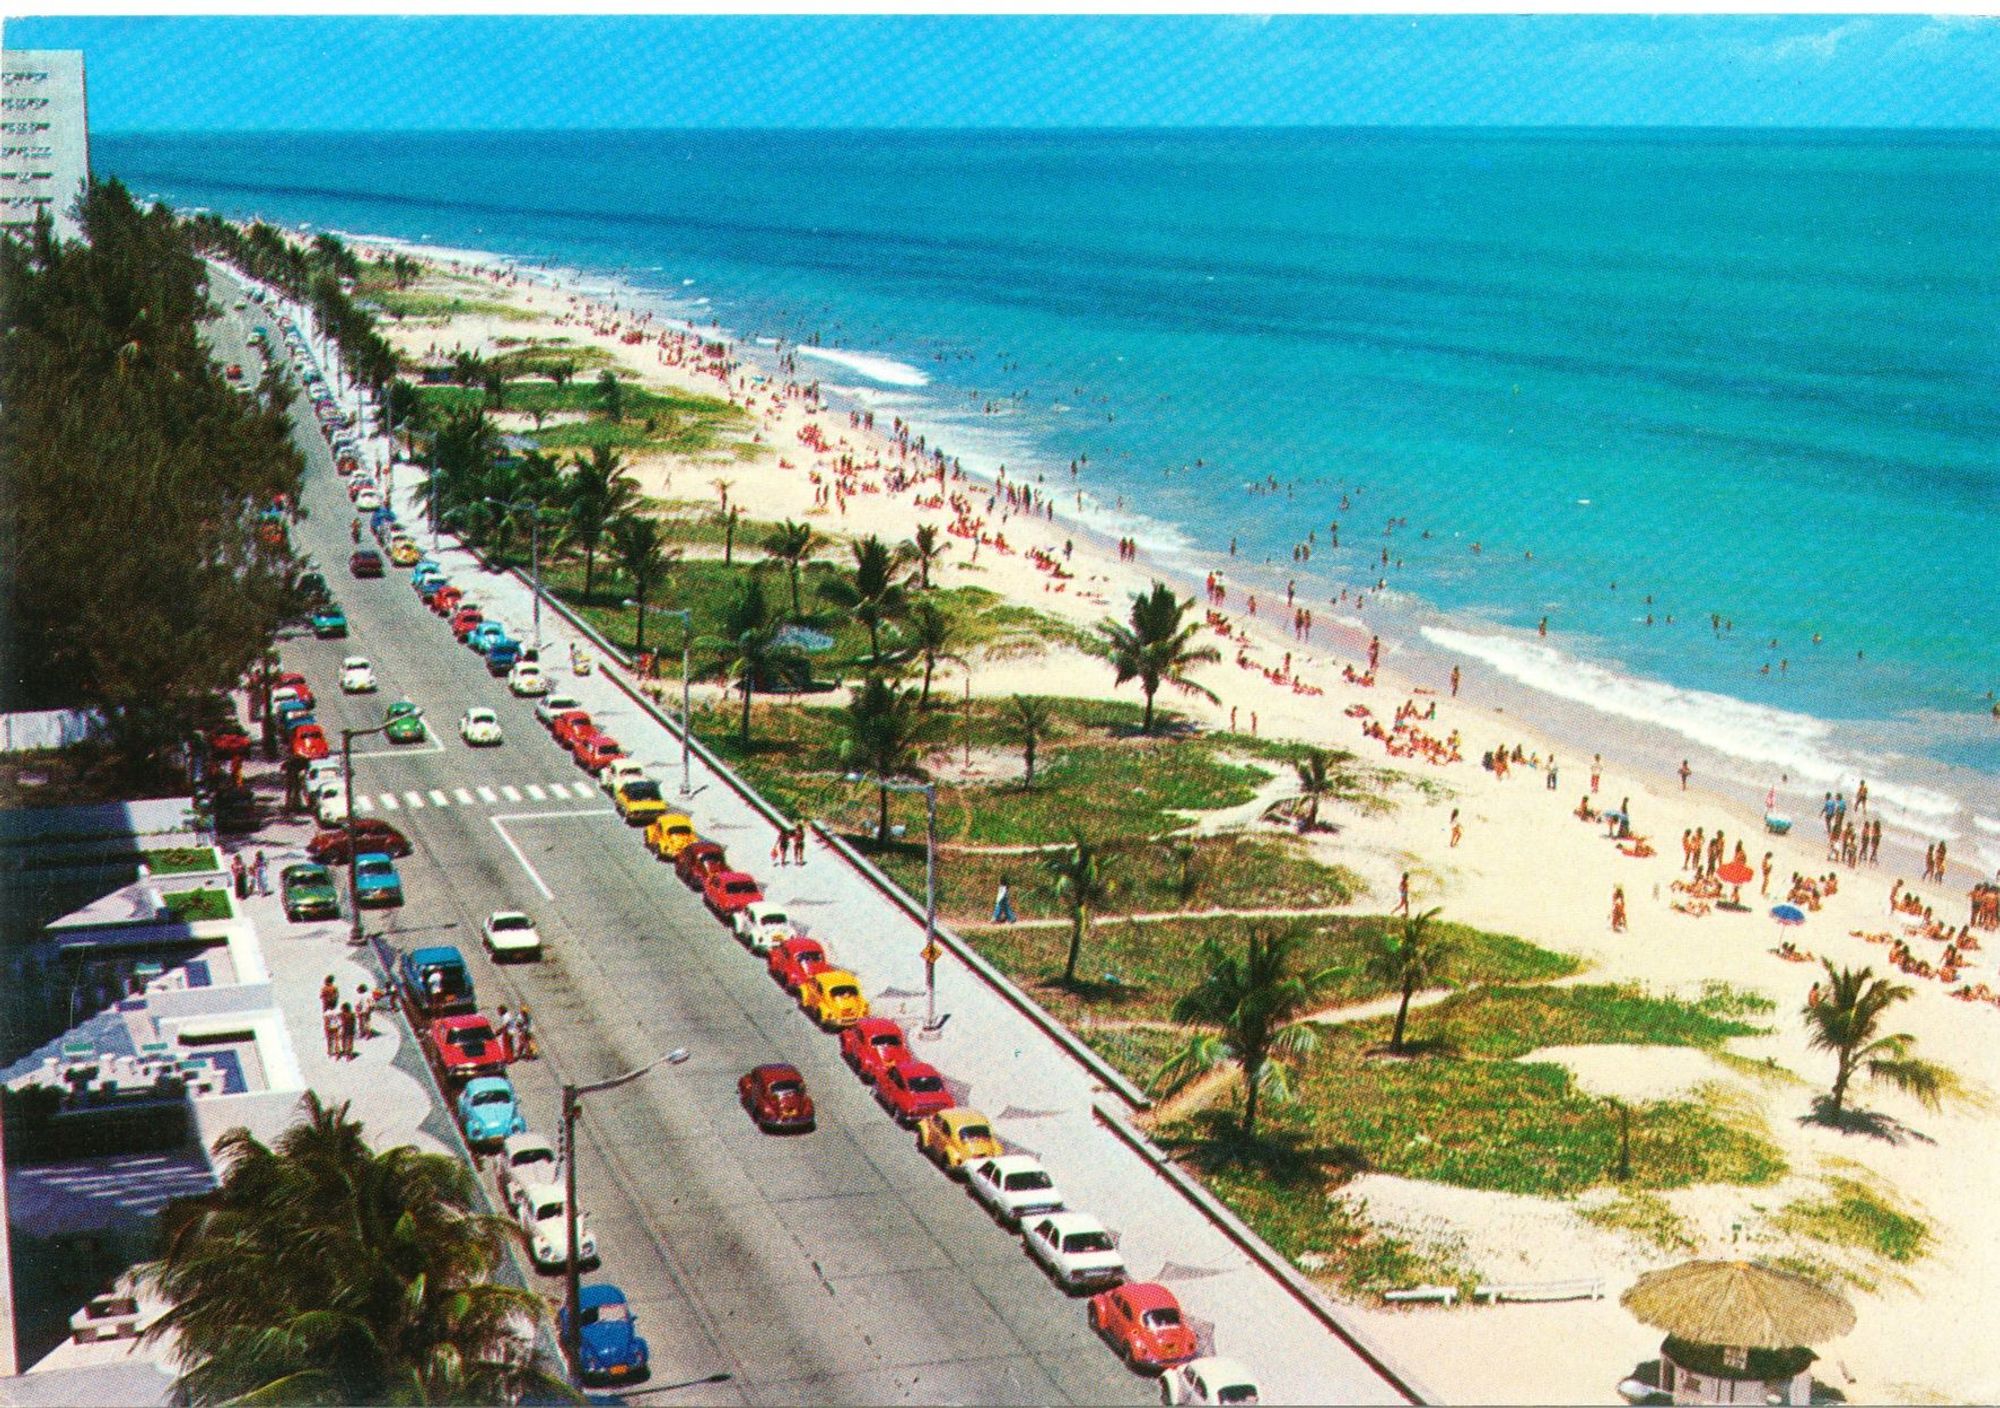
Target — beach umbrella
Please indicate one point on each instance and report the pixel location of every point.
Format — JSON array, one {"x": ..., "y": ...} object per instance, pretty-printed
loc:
[
  {"x": 1788, "y": 914},
  {"x": 1736, "y": 873},
  {"x": 1738, "y": 1303}
]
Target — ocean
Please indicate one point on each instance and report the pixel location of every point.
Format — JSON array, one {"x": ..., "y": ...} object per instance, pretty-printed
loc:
[{"x": 1742, "y": 384}]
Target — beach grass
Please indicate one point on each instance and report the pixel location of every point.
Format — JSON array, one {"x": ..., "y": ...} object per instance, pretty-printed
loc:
[
  {"x": 427, "y": 306},
  {"x": 1645, "y": 1216},
  {"x": 663, "y": 421},
  {"x": 1857, "y": 1215}
]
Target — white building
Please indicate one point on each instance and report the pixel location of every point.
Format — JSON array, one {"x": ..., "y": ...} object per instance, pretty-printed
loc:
[{"x": 44, "y": 138}]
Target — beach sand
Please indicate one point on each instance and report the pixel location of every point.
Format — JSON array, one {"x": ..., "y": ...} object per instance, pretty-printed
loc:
[{"x": 1525, "y": 866}]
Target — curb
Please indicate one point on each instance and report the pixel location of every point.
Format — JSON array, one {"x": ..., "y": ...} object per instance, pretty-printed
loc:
[{"x": 1261, "y": 1252}]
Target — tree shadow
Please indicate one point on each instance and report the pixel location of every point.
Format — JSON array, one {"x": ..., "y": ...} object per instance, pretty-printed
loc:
[
  {"x": 1109, "y": 990},
  {"x": 1165, "y": 729},
  {"x": 1872, "y": 1123},
  {"x": 1211, "y": 1141}
]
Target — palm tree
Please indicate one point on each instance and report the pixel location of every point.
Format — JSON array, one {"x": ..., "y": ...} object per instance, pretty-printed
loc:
[
  {"x": 926, "y": 548},
  {"x": 933, "y": 632},
  {"x": 1029, "y": 719},
  {"x": 1083, "y": 882},
  {"x": 1846, "y": 1019},
  {"x": 876, "y": 591},
  {"x": 750, "y": 651},
  {"x": 1156, "y": 648},
  {"x": 1253, "y": 1010},
  {"x": 1318, "y": 779},
  {"x": 599, "y": 493},
  {"x": 493, "y": 379},
  {"x": 729, "y": 517},
  {"x": 321, "y": 1271},
  {"x": 791, "y": 543},
  {"x": 1408, "y": 958},
  {"x": 611, "y": 395},
  {"x": 642, "y": 553},
  {"x": 467, "y": 367},
  {"x": 886, "y": 733}
]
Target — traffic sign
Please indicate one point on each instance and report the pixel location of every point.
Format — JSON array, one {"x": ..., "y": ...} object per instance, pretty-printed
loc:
[{"x": 932, "y": 953}]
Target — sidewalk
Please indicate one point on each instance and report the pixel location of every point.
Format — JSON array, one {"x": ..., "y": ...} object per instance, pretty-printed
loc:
[{"x": 1039, "y": 1096}]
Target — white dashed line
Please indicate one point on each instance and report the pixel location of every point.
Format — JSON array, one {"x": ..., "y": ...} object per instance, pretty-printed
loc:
[
  {"x": 414, "y": 801},
  {"x": 364, "y": 804},
  {"x": 512, "y": 794},
  {"x": 438, "y": 799},
  {"x": 464, "y": 797},
  {"x": 536, "y": 794},
  {"x": 487, "y": 794},
  {"x": 389, "y": 803}
]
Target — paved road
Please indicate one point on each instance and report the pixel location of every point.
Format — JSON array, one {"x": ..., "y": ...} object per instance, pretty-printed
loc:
[{"x": 835, "y": 1267}]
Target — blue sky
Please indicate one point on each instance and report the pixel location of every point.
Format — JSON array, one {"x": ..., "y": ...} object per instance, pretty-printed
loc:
[{"x": 449, "y": 72}]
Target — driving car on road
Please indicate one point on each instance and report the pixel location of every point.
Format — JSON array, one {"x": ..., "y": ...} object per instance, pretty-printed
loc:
[
  {"x": 489, "y": 1111},
  {"x": 763, "y": 926},
  {"x": 1013, "y": 1186},
  {"x": 376, "y": 881},
  {"x": 464, "y": 1046},
  {"x": 872, "y": 1045},
  {"x": 775, "y": 1096},
  {"x": 1142, "y": 1321},
  {"x": 370, "y": 833},
  {"x": 1213, "y": 1379},
  {"x": 639, "y": 801},
  {"x": 307, "y": 892},
  {"x": 728, "y": 891},
  {"x": 366, "y": 563},
  {"x": 911, "y": 1089},
  {"x": 480, "y": 728},
  {"x": 832, "y": 997},
  {"x": 668, "y": 834},
  {"x": 956, "y": 1137},
  {"x": 405, "y": 721},
  {"x": 329, "y": 622},
  {"x": 511, "y": 934},
  {"x": 543, "y": 1213},
  {"x": 608, "y": 1339},
  {"x": 1075, "y": 1248},
  {"x": 357, "y": 676}
]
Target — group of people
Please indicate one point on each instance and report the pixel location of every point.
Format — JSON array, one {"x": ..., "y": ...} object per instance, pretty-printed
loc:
[
  {"x": 257, "y": 875},
  {"x": 345, "y": 1020},
  {"x": 789, "y": 846},
  {"x": 1934, "y": 862}
]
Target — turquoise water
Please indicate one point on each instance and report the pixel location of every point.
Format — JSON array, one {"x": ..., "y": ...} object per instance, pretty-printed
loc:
[{"x": 1746, "y": 374}]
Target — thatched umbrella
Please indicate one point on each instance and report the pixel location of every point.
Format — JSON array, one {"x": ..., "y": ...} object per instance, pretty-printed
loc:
[{"x": 1738, "y": 1303}]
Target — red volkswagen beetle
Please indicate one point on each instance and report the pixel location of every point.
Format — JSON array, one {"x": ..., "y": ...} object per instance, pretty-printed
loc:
[
  {"x": 697, "y": 861},
  {"x": 775, "y": 1095},
  {"x": 872, "y": 1045},
  {"x": 909, "y": 1090},
  {"x": 793, "y": 959},
  {"x": 1143, "y": 1322}
]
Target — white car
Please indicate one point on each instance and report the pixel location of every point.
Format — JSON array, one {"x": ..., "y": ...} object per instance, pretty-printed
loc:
[
  {"x": 480, "y": 728},
  {"x": 1013, "y": 1187},
  {"x": 321, "y": 771},
  {"x": 763, "y": 926},
  {"x": 368, "y": 500},
  {"x": 541, "y": 1210},
  {"x": 285, "y": 694},
  {"x": 1210, "y": 1380},
  {"x": 330, "y": 803},
  {"x": 551, "y": 704},
  {"x": 616, "y": 774},
  {"x": 357, "y": 676},
  {"x": 1076, "y": 1249},
  {"x": 511, "y": 934},
  {"x": 526, "y": 679},
  {"x": 525, "y": 1160}
]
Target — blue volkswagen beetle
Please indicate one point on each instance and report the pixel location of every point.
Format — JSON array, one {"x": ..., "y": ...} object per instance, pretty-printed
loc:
[
  {"x": 489, "y": 1111},
  {"x": 609, "y": 1344}
]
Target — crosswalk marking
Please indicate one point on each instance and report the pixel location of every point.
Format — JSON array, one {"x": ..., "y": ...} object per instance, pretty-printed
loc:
[
  {"x": 487, "y": 794},
  {"x": 537, "y": 794},
  {"x": 464, "y": 797},
  {"x": 389, "y": 801},
  {"x": 512, "y": 794},
  {"x": 438, "y": 799},
  {"x": 364, "y": 804},
  {"x": 414, "y": 801},
  {"x": 558, "y": 789}
]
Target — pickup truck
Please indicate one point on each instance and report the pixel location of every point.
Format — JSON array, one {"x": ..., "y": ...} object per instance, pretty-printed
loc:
[
  {"x": 376, "y": 880},
  {"x": 450, "y": 993}
]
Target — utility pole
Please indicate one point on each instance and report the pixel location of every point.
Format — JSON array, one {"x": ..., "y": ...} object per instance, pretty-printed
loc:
[
  {"x": 687, "y": 680},
  {"x": 931, "y": 950},
  {"x": 347, "y": 737}
]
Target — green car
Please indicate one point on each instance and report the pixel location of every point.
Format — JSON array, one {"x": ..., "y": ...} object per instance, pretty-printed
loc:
[
  {"x": 308, "y": 893},
  {"x": 406, "y": 725},
  {"x": 329, "y": 622}
]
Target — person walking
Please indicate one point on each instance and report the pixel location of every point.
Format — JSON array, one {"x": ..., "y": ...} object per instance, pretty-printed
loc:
[
  {"x": 1685, "y": 772},
  {"x": 1617, "y": 909},
  {"x": 799, "y": 844},
  {"x": 241, "y": 872},
  {"x": 263, "y": 875},
  {"x": 348, "y": 1023},
  {"x": 781, "y": 847},
  {"x": 1403, "y": 894},
  {"x": 364, "y": 1010},
  {"x": 524, "y": 1034},
  {"x": 329, "y": 994},
  {"x": 1596, "y": 771},
  {"x": 1003, "y": 905},
  {"x": 1550, "y": 780}
]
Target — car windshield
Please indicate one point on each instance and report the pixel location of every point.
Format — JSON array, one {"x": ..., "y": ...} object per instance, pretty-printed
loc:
[
  {"x": 742, "y": 887},
  {"x": 642, "y": 791},
  {"x": 1236, "y": 1393},
  {"x": 512, "y": 921},
  {"x": 974, "y": 1131},
  {"x": 844, "y": 990},
  {"x": 1087, "y": 1242},
  {"x": 607, "y": 1314},
  {"x": 811, "y": 955},
  {"x": 885, "y": 1040},
  {"x": 925, "y": 1084},
  {"x": 547, "y": 1210},
  {"x": 774, "y": 921},
  {"x": 374, "y": 868},
  {"x": 492, "y": 1097},
  {"x": 1028, "y": 1182},
  {"x": 786, "y": 1087},
  {"x": 1163, "y": 1317},
  {"x": 472, "y": 1036}
]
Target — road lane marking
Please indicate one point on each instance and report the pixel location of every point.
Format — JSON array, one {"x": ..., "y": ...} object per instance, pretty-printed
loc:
[
  {"x": 512, "y": 794},
  {"x": 364, "y": 804},
  {"x": 536, "y": 793},
  {"x": 389, "y": 801},
  {"x": 487, "y": 794},
  {"x": 560, "y": 789},
  {"x": 499, "y": 825},
  {"x": 414, "y": 801},
  {"x": 438, "y": 799},
  {"x": 464, "y": 797}
]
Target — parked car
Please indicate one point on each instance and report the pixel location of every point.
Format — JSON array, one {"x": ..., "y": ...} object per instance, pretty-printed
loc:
[
  {"x": 502, "y": 655},
  {"x": 329, "y": 622},
  {"x": 1013, "y": 1186},
  {"x": 596, "y": 751},
  {"x": 727, "y": 891},
  {"x": 698, "y": 860},
  {"x": 307, "y": 892},
  {"x": 312, "y": 587},
  {"x": 436, "y": 982},
  {"x": 911, "y": 1089},
  {"x": 376, "y": 881},
  {"x": 431, "y": 588},
  {"x": 1142, "y": 1321},
  {"x": 489, "y": 1111},
  {"x": 872, "y": 1045},
  {"x": 666, "y": 835},
  {"x": 543, "y": 1213},
  {"x": 228, "y": 741},
  {"x": 446, "y": 600},
  {"x": 619, "y": 773},
  {"x": 526, "y": 680},
  {"x": 775, "y": 1096},
  {"x": 357, "y": 676},
  {"x": 763, "y": 926},
  {"x": 956, "y": 1137},
  {"x": 329, "y": 801},
  {"x": 404, "y": 552},
  {"x": 464, "y": 1046},
  {"x": 511, "y": 934},
  {"x": 523, "y": 1160},
  {"x": 1210, "y": 1380},
  {"x": 465, "y": 621},
  {"x": 639, "y": 801},
  {"x": 832, "y": 997},
  {"x": 370, "y": 833},
  {"x": 321, "y": 771},
  {"x": 552, "y": 704},
  {"x": 366, "y": 562},
  {"x": 1075, "y": 1248},
  {"x": 480, "y": 728},
  {"x": 565, "y": 727},
  {"x": 405, "y": 721},
  {"x": 485, "y": 633},
  {"x": 607, "y": 1336},
  {"x": 368, "y": 499},
  {"x": 309, "y": 742},
  {"x": 791, "y": 961}
]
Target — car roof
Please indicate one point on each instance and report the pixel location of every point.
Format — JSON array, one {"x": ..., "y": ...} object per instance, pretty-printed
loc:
[
  {"x": 834, "y": 975},
  {"x": 442, "y": 953},
  {"x": 961, "y": 1114},
  {"x": 600, "y": 1294},
  {"x": 351, "y": 661},
  {"x": 481, "y": 1084},
  {"x": 778, "y": 1070},
  {"x": 1149, "y": 1295},
  {"x": 462, "y": 1019},
  {"x": 913, "y": 1069},
  {"x": 515, "y": 1144},
  {"x": 1216, "y": 1368},
  {"x": 1067, "y": 1222}
]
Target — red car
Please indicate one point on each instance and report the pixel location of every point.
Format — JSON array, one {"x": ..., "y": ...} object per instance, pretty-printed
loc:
[
  {"x": 309, "y": 742},
  {"x": 872, "y": 1045},
  {"x": 564, "y": 727},
  {"x": 1143, "y": 1322},
  {"x": 728, "y": 891},
  {"x": 464, "y": 1046},
  {"x": 597, "y": 751},
  {"x": 792, "y": 960},
  {"x": 697, "y": 861},
  {"x": 366, "y": 563},
  {"x": 292, "y": 679},
  {"x": 446, "y": 600},
  {"x": 234, "y": 371},
  {"x": 464, "y": 619},
  {"x": 909, "y": 1090},
  {"x": 372, "y": 833},
  {"x": 775, "y": 1095},
  {"x": 228, "y": 741}
]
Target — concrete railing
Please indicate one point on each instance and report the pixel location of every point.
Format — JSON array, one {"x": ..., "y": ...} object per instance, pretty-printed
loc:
[{"x": 1266, "y": 1256}]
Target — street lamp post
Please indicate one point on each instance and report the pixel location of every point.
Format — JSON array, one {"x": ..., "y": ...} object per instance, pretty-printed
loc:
[
  {"x": 535, "y": 551},
  {"x": 572, "y": 1106},
  {"x": 347, "y": 737},
  {"x": 687, "y": 718},
  {"x": 929, "y": 789}
]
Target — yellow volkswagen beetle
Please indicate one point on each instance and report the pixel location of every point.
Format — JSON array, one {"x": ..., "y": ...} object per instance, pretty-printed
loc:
[
  {"x": 669, "y": 835},
  {"x": 957, "y": 1136},
  {"x": 404, "y": 552},
  {"x": 832, "y": 997}
]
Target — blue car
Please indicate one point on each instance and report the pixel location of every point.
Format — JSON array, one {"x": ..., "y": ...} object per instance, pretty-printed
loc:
[
  {"x": 502, "y": 654},
  {"x": 436, "y": 982},
  {"x": 482, "y": 636},
  {"x": 609, "y": 1341},
  {"x": 376, "y": 880},
  {"x": 489, "y": 1111}
]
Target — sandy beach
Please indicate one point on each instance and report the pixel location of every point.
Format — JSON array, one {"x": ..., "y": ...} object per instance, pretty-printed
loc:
[{"x": 1522, "y": 863}]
